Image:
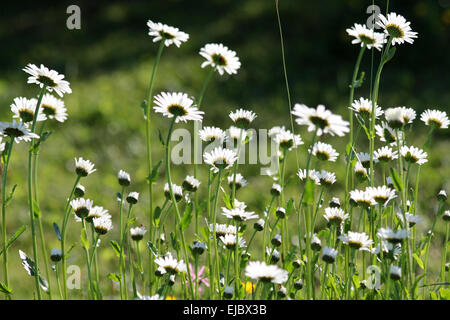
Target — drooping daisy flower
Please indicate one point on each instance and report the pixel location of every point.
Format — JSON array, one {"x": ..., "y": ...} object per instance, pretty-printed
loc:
[
  {"x": 83, "y": 167},
  {"x": 240, "y": 181},
  {"x": 52, "y": 80},
  {"x": 324, "y": 152},
  {"x": 170, "y": 264},
  {"x": 138, "y": 233},
  {"x": 362, "y": 198},
  {"x": 190, "y": 184},
  {"x": 395, "y": 272},
  {"x": 335, "y": 216},
  {"x": 397, "y": 27},
  {"x": 276, "y": 240},
  {"x": 177, "y": 191},
  {"x": 220, "y": 158},
  {"x": 408, "y": 115},
  {"x": 364, "y": 159},
  {"x": 274, "y": 131},
  {"x": 364, "y": 108},
  {"x": 124, "y": 178},
  {"x": 96, "y": 212},
  {"x": 382, "y": 195},
  {"x": 280, "y": 212},
  {"x": 103, "y": 224},
  {"x": 329, "y": 254},
  {"x": 133, "y": 197},
  {"x": 239, "y": 214},
  {"x": 321, "y": 119},
  {"x": 414, "y": 155},
  {"x": 223, "y": 229},
  {"x": 385, "y": 154},
  {"x": 391, "y": 236},
  {"x": 435, "y": 118},
  {"x": 233, "y": 134},
  {"x": 229, "y": 240},
  {"x": 53, "y": 108},
  {"x": 326, "y": 178},
  {"x": 79, "y": 191},
  {"x": 81, "y": 207},
  {"x": 313, "y": 175},
  {"x": 24, "y": 109},
  {"x": 212, "y": 134},
  {"x": 392, "y": 250},
  {"x": 242, "y": 118},
  {"x": 177, "y": 104},
  {"x": 335, "y": 203},
  {"x": 360, "y": 171},
  {"x": 287, "y": 140},
  {"x": 17, "y": 130},
  {"x": 386, "y": 133},
  {"x": 446, "y": 215},
  {"x": 259, "y": 225},
  {"x": 258, "y": 270},
  {"x": 56, "y": 255},
  {"x": 274, "y": 255},
  {"x": 366, "y": 37},
  {"x": 412, "y": 219},
  {"x": 394, "y": 117},
  {"x": 170, "y": 35},
  {"x": 316, "y": 244},
  {"x": 220, "y": 58},
  {"x": 275, "y": 190},
  {"x": 356, "y": 240}
]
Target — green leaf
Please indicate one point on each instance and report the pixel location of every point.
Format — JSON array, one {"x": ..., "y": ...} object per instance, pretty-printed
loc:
[
  {"x": 227, "y": 200},
  {"x": 36, "y": 209},
  {"x": 11, "y": 194},
  {"x": 114, "y": 277},
  {"x": 152, "y": 248},
  {"x": 396, "y": 180},
  {"x": 84, "y": 239},
  {"x": 444, "y": 294},
  {"x": 116, "y": 247},
  {"x": 160, "y": 137},
  {"x": 156, "y": 216},
  {"x": 130, "y": 222},
  {"x": 418, "y": 260},
  {"x": 14, "y": 237},
  {"x": 289, "y": 207},
  {"x": 56, "y": 228},
  {"x": 390, "y": 54},
  {"x": 358, "y": 83},
  {"x": 174, "y": 241},
  {"x": 433, "y": 295},
  {"x": 155, "y": 171},
  {"x": 70, "y": 250},
  {"x": 323, "y": 234},
  {"x": 187, "y": 217},
  {"x": 4, "y": 289},
  {"x": 144, "y": 107},
  {"x": 309, "y": 192}
]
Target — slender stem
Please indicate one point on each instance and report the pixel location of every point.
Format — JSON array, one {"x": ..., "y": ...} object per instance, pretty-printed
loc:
[
  {"x": 149, "y": 156},
  {"x": 214, "y": 217},
  {"x": 352, "y": 91},
  {"x": 233, "y": 189},
  {"x": 237, "y": 280},
  {"x": 123, "y": 277}
]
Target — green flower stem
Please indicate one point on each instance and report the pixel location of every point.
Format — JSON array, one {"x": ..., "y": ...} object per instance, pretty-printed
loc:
[
  {"x": 5, "y": 237},
  {"x": 94, "y": 258},
  {"x": 216, "y": 251},
  {"x": 149, "y": 158},
  {"x": 444, "y": 254},
  {"x": 284, "y": 229},
  {"x": 172, "y": 196},
  {"x": 428, "y": 244},
  {"x": 210, "y": 263},
  {"x": 58, "y": 282},
  {"x": 125, "y": 242},
  {"x": 123, "y": 278},
  {"x": 265, "y": 227},
  {"x": 237, "y": 280},
  {"x": 30, "y": 193},
  {"x": 86, "y": 251},
  {"x": 63, "y": 236},
  {"x": 235, "y": 166},
  {"x": 139, "y": 260},
  {"x": 249, "y": 243},
  {"x": 347, "y": 169}
]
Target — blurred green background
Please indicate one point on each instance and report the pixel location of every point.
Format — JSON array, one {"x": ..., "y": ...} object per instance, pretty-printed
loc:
[{"x": 108, "y": 63}]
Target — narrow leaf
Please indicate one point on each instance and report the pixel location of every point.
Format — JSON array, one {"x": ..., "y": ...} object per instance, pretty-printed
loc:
[
  {"x": 152, "y": 248},
  {"x": 116, "y": 247},
  {"x": 396, "y": 180},
  {"x": 56, "y": 228}
]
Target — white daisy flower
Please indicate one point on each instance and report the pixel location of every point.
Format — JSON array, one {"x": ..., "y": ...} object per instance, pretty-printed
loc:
[
  {"x": 274, "y": 131},
  {"x": 393, "y": 249},
  {"x": 360, "y": 171},
  {"x": 177, "y": 104},
  {"x": 138, "y": 233},
  {"x": 394, "y": 117},
  {"x": 103, "y": 224},
  {"x": 441, "y": 196},
  {"x": 313, "y": 175},
  {"x": 326, "y": 178},
  {"x": 356, "y": 240},
  {"x": 2, "y": 144},
  {"x": 229, "y": 240},
  {"x": 446, "y": 215},
  {"x": 170, "y": 35},
  {"x": 53, "y": 108},
  {"x": 81, "y": 207},
  {"x": 221, "y": 58},
  {"x": 190, "y": 184},
  {"x": 321, "y": 119},
  {"x": 395, "y": 272},
  {"x": 84, "y": 167},
  {"x": 329, "y": 254},
  {"x": 364, "y": 108},
  {"x": 391, "y": 236},
  {"x": 287, "y": 140},
  {"x": 124, "y": 178},
  {"x": 242, "y": 118},
  {"x": 397, "y": 27},
  {"x": 17, "y": 130},
  {"x": 220, "y": 158},
  {"x": 335, "y": 216},
  {"x": 386, "y": 133},
  {"x": 280, "y": 212},
  {"x": 385, "y": 154},
  {"x": 223, "y": 229},
  {"x": 324, "y": 152},
  {"x": 239, "y": 214},
  {"x": 170, "y": 264},
  {"x": 177, "y": 191},
  {"x": 414, "y": 155},
  {"x": 366, "y": 37},
  {"x": 275, "y": 190},
  {"x": 435, "y": 118},
  {"x": 258, "y": 270},
  {"x": 408, "y": 114},
  {"x": 95, "y": 212},
  {"x": 133, "y": 197},
  {"x": 212, "y": 134},
  {"x": 335, "y": 203},
  {"x": 364, "y": 159},
  {"x": 52, "y": 80},
  {"x": 24, "y": 109},
  {"x": 233, "y": 134},
  {"x": 382, "y": 195},
  {"x": 240, "y": 181},
  {"x": 316, "y": 244},
  {"x": 362, "y": 198},
  {"x": 412, "y": 219}
]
